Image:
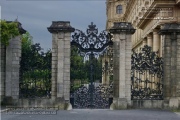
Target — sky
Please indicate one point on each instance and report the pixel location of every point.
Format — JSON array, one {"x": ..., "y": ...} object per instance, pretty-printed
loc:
[{"x": 36, "y": 15}]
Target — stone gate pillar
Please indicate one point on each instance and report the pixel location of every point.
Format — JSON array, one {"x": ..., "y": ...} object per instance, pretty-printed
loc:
[
  {"x": 61, "y": 35},
  {"x": 10, "y": 57},
  {"x": 122, "y": 33},
  {"x": 13, "y": 55},
  {"x": 171, "y": 65}
]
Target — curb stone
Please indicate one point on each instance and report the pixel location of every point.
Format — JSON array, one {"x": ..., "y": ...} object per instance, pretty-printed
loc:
[
  {"x": 4, "y": 110},
  {"x": 178, "y": 113}
]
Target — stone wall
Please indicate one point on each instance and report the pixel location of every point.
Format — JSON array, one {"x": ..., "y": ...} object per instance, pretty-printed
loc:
[
  {"x": 43, "y": 103},
  {"x": 148, "y": 104}
]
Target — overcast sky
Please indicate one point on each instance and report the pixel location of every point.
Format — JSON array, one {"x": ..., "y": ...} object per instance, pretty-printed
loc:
[{"x": 37, "y": 15}]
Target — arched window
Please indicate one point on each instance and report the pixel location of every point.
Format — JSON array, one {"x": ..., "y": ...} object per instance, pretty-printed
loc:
[{"x": 119, "y": 9}]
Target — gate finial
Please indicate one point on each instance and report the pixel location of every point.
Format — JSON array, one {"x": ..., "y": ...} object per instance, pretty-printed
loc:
[
  {"x": 92, "y": 26},
  {"x": 92, "y": 29}
]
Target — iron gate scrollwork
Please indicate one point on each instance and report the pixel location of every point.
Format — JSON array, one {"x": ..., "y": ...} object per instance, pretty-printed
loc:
[
  {"x": 146, "y": 75},
  {"x": 91, "y": 93}
]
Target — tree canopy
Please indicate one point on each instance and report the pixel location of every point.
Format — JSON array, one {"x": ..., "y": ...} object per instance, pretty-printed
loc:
[{"x": 81, "y": 69}]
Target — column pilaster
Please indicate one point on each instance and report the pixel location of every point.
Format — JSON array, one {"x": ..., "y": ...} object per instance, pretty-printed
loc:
[
  {"x": 156, "y": 40},
  {"x": 171, "y": 65},
  {"x": 144, "y": 42},
  {"x": 122, "y": 64},
  {"x": 149, "y": 40}
]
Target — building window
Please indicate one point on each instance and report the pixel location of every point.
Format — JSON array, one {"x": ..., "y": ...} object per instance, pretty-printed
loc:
[{"x": 119, "y": 9}]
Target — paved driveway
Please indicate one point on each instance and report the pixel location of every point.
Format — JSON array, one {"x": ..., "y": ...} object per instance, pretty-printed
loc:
[{"x": 94, "y": 114}]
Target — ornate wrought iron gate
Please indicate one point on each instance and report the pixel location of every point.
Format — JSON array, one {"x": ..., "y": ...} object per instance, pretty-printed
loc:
[
  {"x": 146, "y": 75},
  {"x": 87, "y": 89}
]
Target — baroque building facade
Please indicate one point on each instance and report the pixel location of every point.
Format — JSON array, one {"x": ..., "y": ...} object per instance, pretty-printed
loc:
[
  {"x": 146, "y": 16},
  {"x": 151, "y": 18}
]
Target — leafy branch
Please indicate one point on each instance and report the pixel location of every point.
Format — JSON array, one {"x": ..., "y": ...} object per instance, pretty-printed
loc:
[{"x": 8, "y": 30}]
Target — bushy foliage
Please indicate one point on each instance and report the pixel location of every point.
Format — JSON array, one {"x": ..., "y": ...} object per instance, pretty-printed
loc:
[{"x": 8, "y": 30}]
